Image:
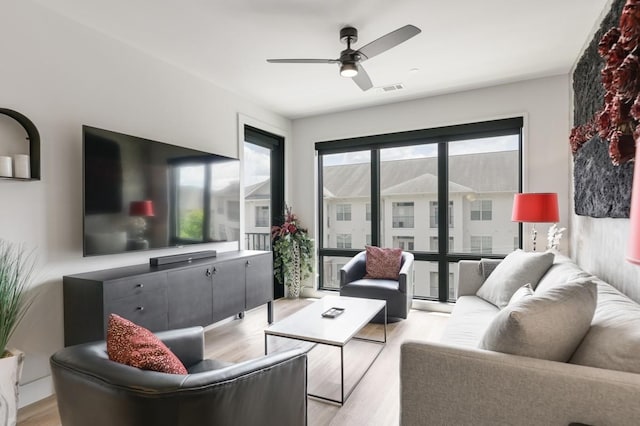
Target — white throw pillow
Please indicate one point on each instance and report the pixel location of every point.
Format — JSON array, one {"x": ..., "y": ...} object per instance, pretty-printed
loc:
[
  {"x": 515, "y": 270},
  {"x": 521, "y": 293},
  {"x": 549, "y": 325},
  {"x": 613, "y": 341}
]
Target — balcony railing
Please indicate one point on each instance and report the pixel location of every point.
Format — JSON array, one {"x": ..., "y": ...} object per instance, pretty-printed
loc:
[{"x": 257, "y": 241}]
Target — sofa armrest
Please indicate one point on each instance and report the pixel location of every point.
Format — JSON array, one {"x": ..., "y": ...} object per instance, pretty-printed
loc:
[
  {"x": 405, "y": 278},
  {"x": 470, "y": 278},
  {"x": 186, "y": 343},
  {"x": 355, "y": 269},
  {"x": 468, "y": 386}
]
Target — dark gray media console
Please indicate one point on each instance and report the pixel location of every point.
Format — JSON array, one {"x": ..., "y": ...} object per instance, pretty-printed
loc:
[{"x": 169, "y": 296}]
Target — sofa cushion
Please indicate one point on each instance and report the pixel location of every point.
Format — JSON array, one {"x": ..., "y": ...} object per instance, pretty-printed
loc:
[
  {"x": 562, "y": 270},
  {"x": 383, "y": 263},
  {"x": 613, "y": 341},
  {"x": 548, "y": 325},
  {"x": 131, "y": 344},
  {"x": 515, "y": 270},
  {"x": 470, "y": 318},
  {"x": 521, "y": 293}
]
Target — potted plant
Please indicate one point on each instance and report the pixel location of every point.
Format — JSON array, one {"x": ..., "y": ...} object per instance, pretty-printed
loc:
[
  {"x": 293, "y": 250},
  {"x": 16, "y": 266}
]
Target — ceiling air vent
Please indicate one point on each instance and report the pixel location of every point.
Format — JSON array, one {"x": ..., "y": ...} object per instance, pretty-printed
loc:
[{"x": 392, "y": 88}]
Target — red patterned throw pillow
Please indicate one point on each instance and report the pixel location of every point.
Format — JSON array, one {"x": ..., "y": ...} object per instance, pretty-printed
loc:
[
  {"x": 130, "y": 344},
  {"x": 383, "y": 263}
]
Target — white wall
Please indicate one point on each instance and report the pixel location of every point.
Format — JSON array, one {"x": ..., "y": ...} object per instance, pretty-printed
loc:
[
  {"x": 62, "y": 75},
  {"x": 544, "y": 103}
]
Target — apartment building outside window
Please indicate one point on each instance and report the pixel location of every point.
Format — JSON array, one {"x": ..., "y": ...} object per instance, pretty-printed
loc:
[
  {"x": 343, "y": 212},
  {"x": 434, "y": 284},
  {"x": 481, "y": 210},
  {"x": 481, "y": 244},
  {"x": 343, "y": 241},
  {"x": 262, "y": 216},
  {"x": 403, "y": 215},
  {"x": 393, "y": 185},
  {"x": 433, "y": 214},
  {"x": 433, "y": 244},
  {"x": 404, "y": 243}
]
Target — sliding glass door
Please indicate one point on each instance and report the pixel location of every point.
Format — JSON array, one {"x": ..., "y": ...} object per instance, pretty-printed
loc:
[{"x": 263, "y": 189}]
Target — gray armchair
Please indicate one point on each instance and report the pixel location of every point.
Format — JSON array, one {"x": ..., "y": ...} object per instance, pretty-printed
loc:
[
  {"x": 398, "y": 294},
  {"x": 92, "y": 390}
]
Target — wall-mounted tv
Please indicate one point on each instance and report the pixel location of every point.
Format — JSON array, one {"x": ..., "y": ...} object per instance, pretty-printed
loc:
[{"x": 140, "y": 194}]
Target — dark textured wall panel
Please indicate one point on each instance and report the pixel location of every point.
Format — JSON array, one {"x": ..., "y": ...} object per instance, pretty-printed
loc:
[{"x": 600, "y": 188}]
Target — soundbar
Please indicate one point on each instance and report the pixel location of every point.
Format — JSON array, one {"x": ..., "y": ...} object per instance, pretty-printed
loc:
[{"x": 186, "y": 257}]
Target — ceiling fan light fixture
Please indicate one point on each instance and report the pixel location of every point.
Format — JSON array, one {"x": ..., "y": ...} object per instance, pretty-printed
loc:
[{"x": 348, "y": 69}]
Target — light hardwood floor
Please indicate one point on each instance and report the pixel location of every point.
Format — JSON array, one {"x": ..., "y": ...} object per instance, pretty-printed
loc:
[{"x": 375, "y": 400}]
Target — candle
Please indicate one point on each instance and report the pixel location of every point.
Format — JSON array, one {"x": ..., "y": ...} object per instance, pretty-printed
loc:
[
  {"x": 5, "y": 167},
  {"x": 21, "y": 166}
]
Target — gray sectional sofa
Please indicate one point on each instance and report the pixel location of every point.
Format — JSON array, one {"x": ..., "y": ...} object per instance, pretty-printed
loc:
[{"x": 455, "y": 382}]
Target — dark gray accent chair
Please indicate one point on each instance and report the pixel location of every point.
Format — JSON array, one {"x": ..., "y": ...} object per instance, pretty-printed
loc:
[
  {"x": 92, "y": 390},
  {"x": 397, "y": 293}
]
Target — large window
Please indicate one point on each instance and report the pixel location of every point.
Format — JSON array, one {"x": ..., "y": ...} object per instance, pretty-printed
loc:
[{"x": 386, "y": 190}]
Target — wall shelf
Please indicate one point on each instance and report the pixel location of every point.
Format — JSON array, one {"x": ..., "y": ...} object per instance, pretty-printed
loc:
[{"x": 34, "y": 143}]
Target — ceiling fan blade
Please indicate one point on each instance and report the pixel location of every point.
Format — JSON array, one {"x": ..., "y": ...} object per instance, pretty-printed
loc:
[
  {"x": 303, "y": 61},
  {"x": 362, "y": 79},
  {"x": 388, "y": 41}
]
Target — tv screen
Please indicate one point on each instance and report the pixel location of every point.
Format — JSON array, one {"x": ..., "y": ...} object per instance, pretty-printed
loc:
[{"x": 140, "y": 194}]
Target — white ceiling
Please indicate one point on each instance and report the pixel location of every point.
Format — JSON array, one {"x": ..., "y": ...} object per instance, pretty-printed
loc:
[{"x": 464, "y": 44}]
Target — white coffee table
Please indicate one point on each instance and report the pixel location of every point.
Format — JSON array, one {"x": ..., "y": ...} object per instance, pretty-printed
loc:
[{"x": 309, "y": 325}]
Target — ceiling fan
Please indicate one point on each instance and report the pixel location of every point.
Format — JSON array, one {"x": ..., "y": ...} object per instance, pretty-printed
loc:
[{"x": 350, "y": 59}]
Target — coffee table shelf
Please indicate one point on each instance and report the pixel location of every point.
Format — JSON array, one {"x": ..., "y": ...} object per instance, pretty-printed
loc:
[{"x": 309, "y": 325}]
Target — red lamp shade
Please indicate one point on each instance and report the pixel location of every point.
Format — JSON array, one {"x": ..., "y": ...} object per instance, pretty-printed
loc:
[
  {"x": 141, "y": 208},
  {"x": 535, "y": 207}
]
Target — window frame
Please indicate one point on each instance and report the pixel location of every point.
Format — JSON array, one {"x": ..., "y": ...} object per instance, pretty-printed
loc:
[{"x": 440, "y": 136}]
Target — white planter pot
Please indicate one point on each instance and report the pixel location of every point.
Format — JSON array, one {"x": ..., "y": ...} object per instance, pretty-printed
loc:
[{"x": 10, "y": 371}]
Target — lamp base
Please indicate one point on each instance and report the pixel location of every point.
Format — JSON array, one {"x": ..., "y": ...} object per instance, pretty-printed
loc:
[{"x": 534, "y": 236}]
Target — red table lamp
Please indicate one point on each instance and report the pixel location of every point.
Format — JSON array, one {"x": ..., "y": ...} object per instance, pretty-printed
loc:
[
  {"x": 535, "y": 207},
  {"x": 139, "y": 210},
  {"x": 142, "y": 208}
]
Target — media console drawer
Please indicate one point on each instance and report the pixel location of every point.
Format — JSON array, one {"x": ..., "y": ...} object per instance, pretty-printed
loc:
[{"x": 167, "y": 296}]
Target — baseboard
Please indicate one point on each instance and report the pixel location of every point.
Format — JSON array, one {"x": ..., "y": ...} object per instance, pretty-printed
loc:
[{"x": 35, "y": 391}]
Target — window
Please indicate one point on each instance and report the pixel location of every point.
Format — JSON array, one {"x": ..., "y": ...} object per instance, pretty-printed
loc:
[
  {"x": 433, "y": 214},
  {"x": 481, "y": 210},
  {"x": 400, "y": 179},
  {"x": 404, "y": 243},
  {"x": 434, "y": 285},
  {"x": 481, "y": 244},
  {"x": 516, "y": 243},
  {"x": 343, "y": 241},
  {"x": 343, "y": 212},
  {"x": 262, "y": 216},
  {"x": 403, "y": 215},
  {"x": 433, "y": 244}
]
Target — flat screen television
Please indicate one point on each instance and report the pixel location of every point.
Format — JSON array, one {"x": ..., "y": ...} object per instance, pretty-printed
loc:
[{"x": 140, "y": 194}]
